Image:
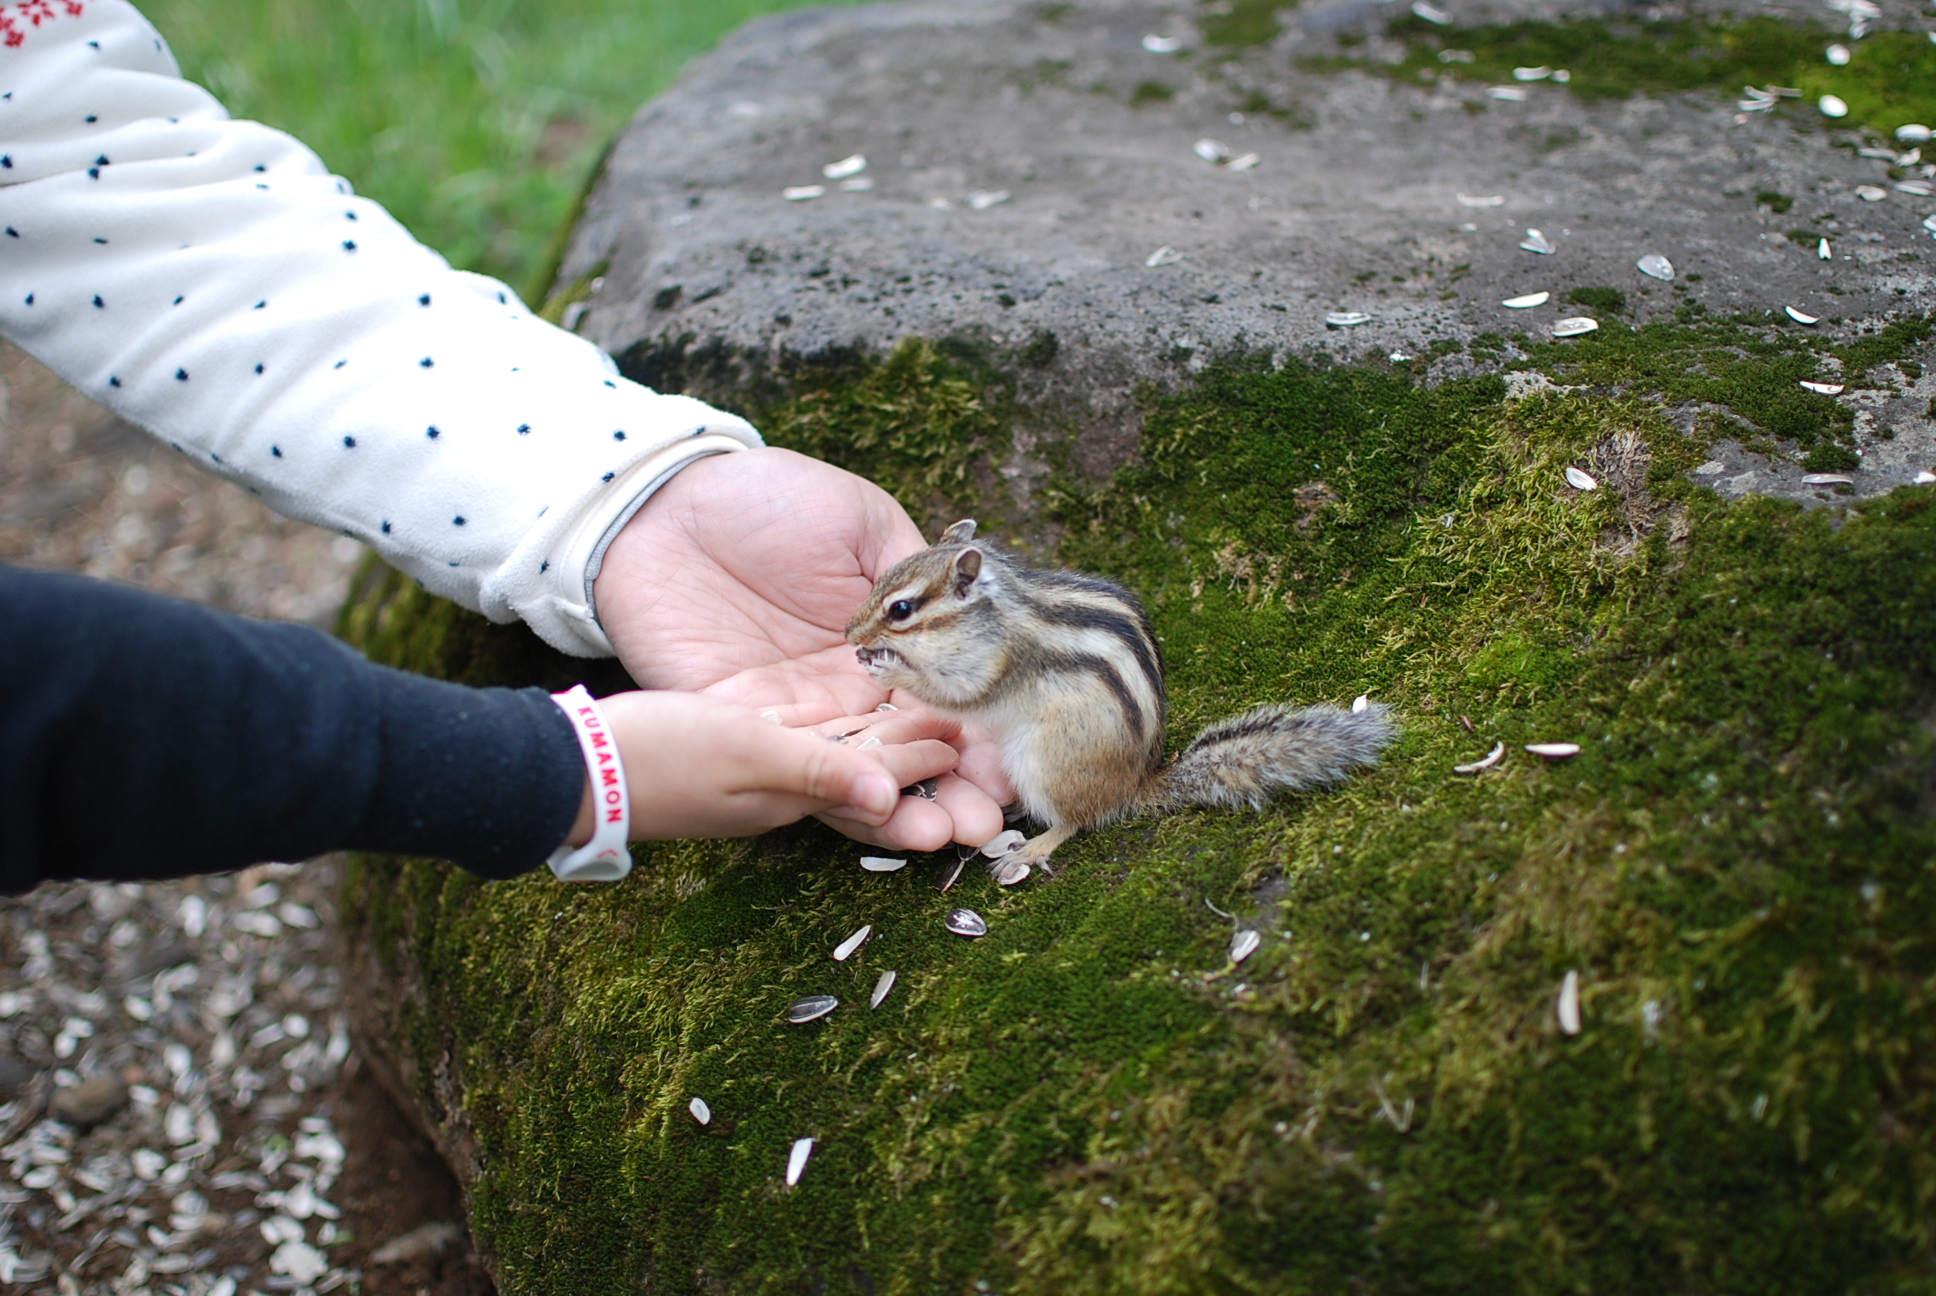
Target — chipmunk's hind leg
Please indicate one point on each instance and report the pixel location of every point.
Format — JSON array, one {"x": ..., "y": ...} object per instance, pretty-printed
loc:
[{"x": 1033, "y": 853}]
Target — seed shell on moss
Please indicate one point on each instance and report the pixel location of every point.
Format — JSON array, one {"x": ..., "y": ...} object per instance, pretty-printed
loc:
[
  {"x": 1165, "y": 255},
  {"x": 1554, "y": 750},
  {"x": 1244, "y": 944},
  {"x": 1531, "y": 73},
  {"x": 1346, "y": 319},
  {"x": 797, "y": 1160},
  {"x": 1361, "y": 704},
  {"x": 1536, "y": 242},
  {"x": 1569, "y": 1004},
  {"x": 1507, "y": 94},
  {"x": 1912, "y": 134},
  {"x": 1431, "y": 13},
  {"x": 1211, "y": 150},
  {"x": 1526, "y": 302},
  {"x": 1917, "y": 188},
  {"x": 1485, "y": 762},
  {"x": 881, "y": 864},
  {"x": 1824, "y": 388},
  {"x": 1924, "y": 478},
  {"x": 700, "y": 1111},
  {"x": 1655, "y": 266},
  {"x": 1244, "y": 163},
  {"x": 1575, "y": 326},
  {"x": 1838, "y": 55},
  {"x": 1002, "y": 843},
  {"x": 812, "y": 1008},
  {"x": 1832, "y": 106},
  {"x": 883, "y": 987},
  {"x": 1827, "y": 479},
  {"x": 1822, "y": 252},
  {"x": 1580, "y": 480},
  {"x": 1162, "y": 44},
  {"x": 846, "y": 948},
  {"x": 801, "y": 193},
  {"x": 1803, "y": 317},
  {"x": 966, "y": 922},
  {"x": 1871, "y": 193},
  {"x": 851, "y": 165},
  {"x": 952, "y": 873},
  {"x": 1011, "y": 874}
]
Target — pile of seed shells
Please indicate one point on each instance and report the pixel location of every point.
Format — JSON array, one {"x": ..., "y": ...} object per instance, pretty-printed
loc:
[{"x": 165, "y": 1047}]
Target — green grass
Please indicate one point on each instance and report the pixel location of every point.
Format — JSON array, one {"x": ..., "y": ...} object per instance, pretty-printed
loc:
[
  {"x": 1090, "y": 1100},
  {"x": 476, "y": 122},
  {"x": 1891, "y": 79}
]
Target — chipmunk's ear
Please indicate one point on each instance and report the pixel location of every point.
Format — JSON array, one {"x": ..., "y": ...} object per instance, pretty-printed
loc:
[
  {"x": 967, "y": 568},
  {"x": 960, "y": 533}
]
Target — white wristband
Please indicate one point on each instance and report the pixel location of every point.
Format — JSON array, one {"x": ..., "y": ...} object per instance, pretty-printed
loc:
[{"x": 605, "y": 858}]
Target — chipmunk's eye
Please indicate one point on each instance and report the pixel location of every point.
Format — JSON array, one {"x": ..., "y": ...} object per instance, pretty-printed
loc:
[{"x": 900, "y": 609}]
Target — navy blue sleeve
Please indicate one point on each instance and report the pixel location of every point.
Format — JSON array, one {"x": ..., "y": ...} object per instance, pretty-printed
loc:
[{"x": 142, "y": 737}]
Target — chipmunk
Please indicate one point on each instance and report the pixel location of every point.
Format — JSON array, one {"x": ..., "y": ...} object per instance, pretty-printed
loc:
[{"x": 1064, "y": 671}]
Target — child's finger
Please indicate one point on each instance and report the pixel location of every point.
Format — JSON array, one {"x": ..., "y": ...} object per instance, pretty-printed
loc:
[
  {"x": 799, "y": 715},
  {"x": 974, "y": 814},
  {"x": 888, "y": 727},
  {"x": 916, "y": 825}
]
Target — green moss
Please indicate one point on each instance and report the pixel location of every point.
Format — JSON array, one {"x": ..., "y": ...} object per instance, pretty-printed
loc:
[
  {"x": 1149, "y": 92},
  {"x": 1891, "y": 80},
  {"x": 1775, "y": 202},
  {"x": 1242, "y": 22},
  {"x": 1610, "y": 300},
  {"x": 1090, "y": 1100},
  {"x": 1752, "y": 366}
]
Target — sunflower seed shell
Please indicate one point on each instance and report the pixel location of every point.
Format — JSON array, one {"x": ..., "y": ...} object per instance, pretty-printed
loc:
[
  {"x": 812, "y": 1008},
  {"x": 797, "y": 1160},
  {"x": 700, "y": 1111},
  {"x": 846, "y": 948},
  {"x": 966, "y": 922},
  {"x": 1575, "y": 326},
  {"x": 1244, "y": 944},
  {"x": 1554, "y": 750},
  {"x": 882, "y": 988},
  {"x": 1528, "y": 301},
  {"x": 1579, "y": 480},
  {"x": 881, "y": 864},
  {"x": 1655, "y": 266},
  {"x": 1485, "y": 762},
  {"x": 1569, "y": 1004}
]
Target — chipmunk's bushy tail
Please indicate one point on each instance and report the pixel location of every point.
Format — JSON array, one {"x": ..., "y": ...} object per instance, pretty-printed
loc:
[{"x": 1246, "y": 760}]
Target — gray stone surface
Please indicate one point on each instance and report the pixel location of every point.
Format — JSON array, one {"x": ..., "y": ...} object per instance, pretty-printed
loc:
[{"x": 709, "y": 273}]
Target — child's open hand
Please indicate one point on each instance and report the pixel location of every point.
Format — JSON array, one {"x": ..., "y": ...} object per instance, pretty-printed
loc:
[{"x": 700, "y": 767}]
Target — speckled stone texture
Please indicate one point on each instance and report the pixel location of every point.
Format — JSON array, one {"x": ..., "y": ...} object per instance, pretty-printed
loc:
[{"x": 710, "y": 275}]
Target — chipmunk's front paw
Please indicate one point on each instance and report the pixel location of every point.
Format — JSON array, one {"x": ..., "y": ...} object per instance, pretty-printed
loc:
[{"x": 1013, "y": 858}]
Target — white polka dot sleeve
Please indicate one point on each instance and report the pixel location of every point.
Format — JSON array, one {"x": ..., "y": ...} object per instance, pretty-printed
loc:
[{"x": 211, "y": 281}]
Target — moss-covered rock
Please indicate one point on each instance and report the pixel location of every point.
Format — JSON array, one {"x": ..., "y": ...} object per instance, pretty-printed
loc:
[{"x": 1092, "y": 1099}]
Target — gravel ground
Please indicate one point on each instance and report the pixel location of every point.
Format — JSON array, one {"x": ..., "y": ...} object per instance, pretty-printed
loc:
[{"x": 182, "y": 1111}]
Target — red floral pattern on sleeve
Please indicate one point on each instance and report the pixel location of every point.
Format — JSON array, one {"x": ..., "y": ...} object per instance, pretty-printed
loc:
[{"x": 17, "y": 19}]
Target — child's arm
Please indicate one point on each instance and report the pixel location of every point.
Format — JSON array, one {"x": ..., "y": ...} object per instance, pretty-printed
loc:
[
  {"x": 700, "y": 767},
  {"x": 143, "y": 737},
  {"x": 210, "y": 280}
]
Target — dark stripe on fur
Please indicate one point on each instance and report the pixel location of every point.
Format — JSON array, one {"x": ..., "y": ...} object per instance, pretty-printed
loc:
[
  {"x": 1128, "y": 624},
  {"x": 1105, "y": 670}
]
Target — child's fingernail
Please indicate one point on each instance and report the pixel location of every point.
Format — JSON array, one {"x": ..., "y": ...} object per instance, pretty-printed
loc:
[
  {"x": 771, "y": 717},
  {"x": 869, "y": 745},
  {"x": 877, "y": 795}
]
